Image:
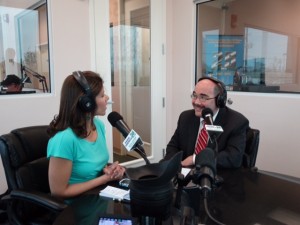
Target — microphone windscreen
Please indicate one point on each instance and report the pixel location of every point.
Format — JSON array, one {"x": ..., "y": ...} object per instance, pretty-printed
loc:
[
  {"x": 206, "y": 112},
  {"x": 206, "y": 158},
  {"x": 114, "y": 117}
]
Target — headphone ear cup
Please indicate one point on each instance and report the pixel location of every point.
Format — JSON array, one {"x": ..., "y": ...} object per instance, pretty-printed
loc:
[
  {"x": 86, "y": 103},
  {"x": 221, "y": 101},
  {"x": 222, "y": 97}
]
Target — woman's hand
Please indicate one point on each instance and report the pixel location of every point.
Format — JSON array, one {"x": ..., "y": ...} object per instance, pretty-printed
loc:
[{"x": 114, "y": 171}]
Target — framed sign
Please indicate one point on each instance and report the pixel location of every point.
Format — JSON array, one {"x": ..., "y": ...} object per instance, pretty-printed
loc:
[{"x": 223, "y": 55}]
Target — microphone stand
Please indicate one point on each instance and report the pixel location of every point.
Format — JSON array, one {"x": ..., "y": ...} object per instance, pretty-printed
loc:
[
  {"x": 140, "y": 150},
  {"x": 209, "y": 184},
  {"x": 186, "y": 213},
  {"x": 181, "y": 182},
  {"x": 218, "y": 179},
  {"x": 213, "y": 140},
  {"x": 40, "y": 77}
]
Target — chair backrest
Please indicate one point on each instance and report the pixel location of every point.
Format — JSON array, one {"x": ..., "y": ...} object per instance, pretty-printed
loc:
[
  {"x": 252, "y": 143},
  {"x": 23, "y": 153}
]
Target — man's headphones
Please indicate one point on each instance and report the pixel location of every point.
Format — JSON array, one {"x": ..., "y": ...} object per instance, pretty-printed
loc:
[
  {"x": 221, "y": 98},
  {"x": 87, "y": 101}
]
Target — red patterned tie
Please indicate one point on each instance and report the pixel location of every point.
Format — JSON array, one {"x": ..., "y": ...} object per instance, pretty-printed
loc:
[{"x": 202, "y": 140}]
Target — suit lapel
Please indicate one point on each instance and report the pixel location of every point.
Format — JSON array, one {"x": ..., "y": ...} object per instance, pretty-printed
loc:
[{"x": 218, "y": 120}]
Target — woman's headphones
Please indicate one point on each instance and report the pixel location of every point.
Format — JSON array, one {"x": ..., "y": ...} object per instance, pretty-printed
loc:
[
  {"x": 221, "y": 98},
  {"x": 87, "y": 101}
]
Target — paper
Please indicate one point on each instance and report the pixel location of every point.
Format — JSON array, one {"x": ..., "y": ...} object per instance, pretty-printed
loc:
[
  {"x": 185, "y": 171},
  {"x": 115, "y": 193}
]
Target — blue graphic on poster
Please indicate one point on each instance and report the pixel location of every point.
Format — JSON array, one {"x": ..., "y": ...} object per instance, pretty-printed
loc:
[{"x": 223, "y": 55}]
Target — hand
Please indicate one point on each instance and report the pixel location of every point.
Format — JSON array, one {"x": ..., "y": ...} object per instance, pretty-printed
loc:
[
  {"x": 114, "y": 171},
  {"x": 188, "y": 161}
]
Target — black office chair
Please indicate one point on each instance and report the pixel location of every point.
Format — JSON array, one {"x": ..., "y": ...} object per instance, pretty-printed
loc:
[
  {"x": 252, "y": 143},
  {"x": 23, "y": 153}
]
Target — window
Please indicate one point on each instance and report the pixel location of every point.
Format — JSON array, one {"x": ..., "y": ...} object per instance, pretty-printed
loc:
[
  {"x": 24, "y": 45},
  {"x": 250, "y": 45}
]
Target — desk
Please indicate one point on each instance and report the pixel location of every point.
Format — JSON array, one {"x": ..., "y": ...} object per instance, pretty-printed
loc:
[{"x": 245, "y": 198}]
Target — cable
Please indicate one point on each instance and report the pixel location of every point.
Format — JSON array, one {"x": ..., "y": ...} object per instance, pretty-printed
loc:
[{"x": 208, "y": 213}]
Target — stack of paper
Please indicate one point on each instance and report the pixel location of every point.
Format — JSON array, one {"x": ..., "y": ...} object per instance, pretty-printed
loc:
[{"x": 115, "y": 193}]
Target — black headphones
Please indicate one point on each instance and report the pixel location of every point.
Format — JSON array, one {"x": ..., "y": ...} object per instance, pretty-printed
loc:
[
  {"x": 221, "y": 98},
  {"x": 86, "y": 102}
]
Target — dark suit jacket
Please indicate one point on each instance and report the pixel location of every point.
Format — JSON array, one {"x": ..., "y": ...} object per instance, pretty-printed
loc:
[{"x": 231, "y": 143}]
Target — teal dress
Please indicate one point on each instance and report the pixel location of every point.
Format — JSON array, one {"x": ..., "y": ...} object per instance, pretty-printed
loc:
[{"x": 88, "y": 158}]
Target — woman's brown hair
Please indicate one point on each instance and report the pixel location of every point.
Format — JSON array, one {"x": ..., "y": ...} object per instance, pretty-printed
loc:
[{"x": 70, "y": 113}]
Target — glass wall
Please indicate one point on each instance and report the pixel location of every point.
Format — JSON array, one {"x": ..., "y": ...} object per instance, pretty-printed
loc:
[
  {"x": 250, "y": 45},
  {"x": 131, "y": 75}
]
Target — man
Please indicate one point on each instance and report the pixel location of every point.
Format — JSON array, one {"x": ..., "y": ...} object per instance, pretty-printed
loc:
[
  {"x": 12, "y": 83},
  {"x": 210, "y": 93}
]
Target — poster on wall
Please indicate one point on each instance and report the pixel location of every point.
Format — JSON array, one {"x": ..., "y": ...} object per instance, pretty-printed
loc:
[{"x": 223, "y": 55}]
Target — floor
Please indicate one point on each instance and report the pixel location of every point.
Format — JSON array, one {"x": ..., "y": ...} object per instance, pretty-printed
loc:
[{"x": 122, "y": 158}]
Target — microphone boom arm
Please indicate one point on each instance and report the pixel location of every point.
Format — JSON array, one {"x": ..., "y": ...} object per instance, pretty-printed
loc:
[
  {"x": 140, "y": 150},
  {"x": 41, "y": 78}
]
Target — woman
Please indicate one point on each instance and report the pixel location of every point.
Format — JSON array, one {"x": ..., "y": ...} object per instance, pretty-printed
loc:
[{"x": 77, "y": 148}]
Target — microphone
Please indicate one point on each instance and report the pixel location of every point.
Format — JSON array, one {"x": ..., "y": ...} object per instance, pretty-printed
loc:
[
  {"x": 116, "y": 120},
  {"x": 205, "y": 170},
  {"x": 133, "y": 141},
  {"x": 207, "y": 115},
  {"x": 213, "y": 131}
]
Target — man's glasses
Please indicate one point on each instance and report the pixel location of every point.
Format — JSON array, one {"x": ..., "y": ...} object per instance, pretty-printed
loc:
[{"x": 201, "y": 97}]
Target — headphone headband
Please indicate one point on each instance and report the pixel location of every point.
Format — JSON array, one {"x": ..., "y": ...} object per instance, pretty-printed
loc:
[
  {"x": 87, "y": 101},
  {"x": 82, "y": 81}
]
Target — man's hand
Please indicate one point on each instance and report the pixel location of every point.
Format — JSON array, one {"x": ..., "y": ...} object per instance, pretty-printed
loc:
[{"x": 189, "y": 161}]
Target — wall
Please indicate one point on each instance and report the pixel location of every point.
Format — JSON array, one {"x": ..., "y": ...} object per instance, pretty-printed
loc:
[
  {"x": 267, "y": 112},
  {"x": 70, "y": 51},
  {"x": 180, "y": 47},
  {"x": 276, "y": 115}
]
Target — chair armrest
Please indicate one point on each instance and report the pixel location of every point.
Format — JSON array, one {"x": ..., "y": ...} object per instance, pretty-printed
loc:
[{"x": 42, "y": 199}]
